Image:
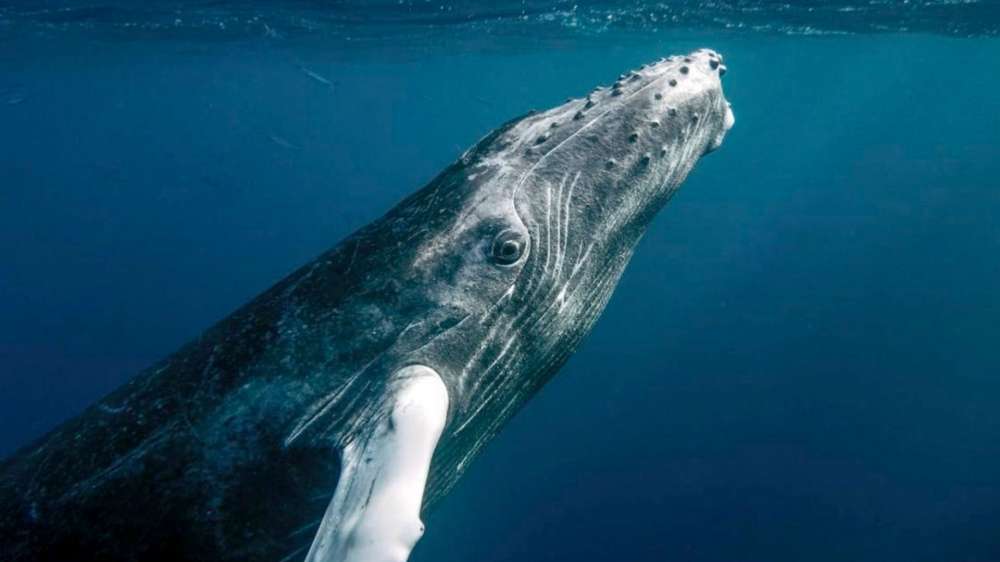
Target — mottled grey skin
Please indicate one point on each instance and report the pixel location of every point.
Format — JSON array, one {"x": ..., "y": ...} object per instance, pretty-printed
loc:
[{"x": 490, "y": 275}]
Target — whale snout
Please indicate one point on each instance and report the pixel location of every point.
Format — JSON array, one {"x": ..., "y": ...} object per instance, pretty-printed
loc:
[
  {"x": 673, "y": 102},
  {"x": 680, "y": 94},
  {"x": 714, "y": 60},
  {"x": 710, "y": 65},
  {"x": 717, "y": 64}
]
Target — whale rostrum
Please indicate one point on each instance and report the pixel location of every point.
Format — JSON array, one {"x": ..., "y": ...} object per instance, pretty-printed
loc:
[{"x": 318, "y": 421}]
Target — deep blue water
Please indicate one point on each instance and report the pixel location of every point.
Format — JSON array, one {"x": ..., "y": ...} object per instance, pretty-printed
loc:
[{"x": 801, "y": 363}]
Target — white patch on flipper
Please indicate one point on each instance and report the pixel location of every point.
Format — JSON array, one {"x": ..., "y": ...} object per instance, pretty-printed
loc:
[{"x": 375, "y": 513}]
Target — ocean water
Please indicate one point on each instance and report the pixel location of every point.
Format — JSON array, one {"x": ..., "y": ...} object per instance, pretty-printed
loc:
[{"x": 802, "y": 361}]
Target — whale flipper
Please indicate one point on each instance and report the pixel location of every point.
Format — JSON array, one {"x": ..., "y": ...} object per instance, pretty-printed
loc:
[{"x": 374, "y": 515}]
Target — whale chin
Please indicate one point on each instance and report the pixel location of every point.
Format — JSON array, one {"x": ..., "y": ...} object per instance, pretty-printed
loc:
[{"x": 728, "y": 121}]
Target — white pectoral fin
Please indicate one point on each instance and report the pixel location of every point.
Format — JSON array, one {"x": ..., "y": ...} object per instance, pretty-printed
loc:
[{"x": 375, "y": 513}]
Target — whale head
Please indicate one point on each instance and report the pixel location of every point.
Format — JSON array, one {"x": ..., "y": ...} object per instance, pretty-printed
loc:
[
  {"x": 492, "y": 273},
  {"x": 542, "y": 217}
]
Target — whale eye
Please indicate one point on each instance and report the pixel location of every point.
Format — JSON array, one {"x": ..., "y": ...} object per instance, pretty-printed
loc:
[{"x": 508, "y": 247}]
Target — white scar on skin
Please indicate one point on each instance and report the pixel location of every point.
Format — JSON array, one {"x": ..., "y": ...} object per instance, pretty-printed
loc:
[{"x": 375, "y": 513}]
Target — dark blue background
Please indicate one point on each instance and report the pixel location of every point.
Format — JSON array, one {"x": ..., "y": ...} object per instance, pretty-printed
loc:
[{"x": 802, "y": 362}]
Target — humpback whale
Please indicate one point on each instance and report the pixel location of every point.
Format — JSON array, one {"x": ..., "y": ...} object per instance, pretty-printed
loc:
[{"x": 319, "y": 421}]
